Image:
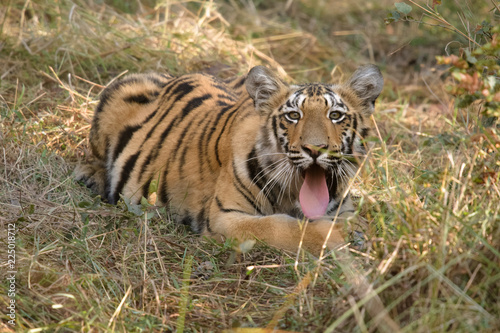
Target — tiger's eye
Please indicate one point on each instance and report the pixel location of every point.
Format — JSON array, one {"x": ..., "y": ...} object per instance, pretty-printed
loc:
[
  {"x": 335, "y": 115},
  {"x": 293, "y": 115}
]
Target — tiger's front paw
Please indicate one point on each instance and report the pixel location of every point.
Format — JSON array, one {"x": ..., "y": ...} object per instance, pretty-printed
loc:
[
  {"x": 93, "y": 176},
  {"x": 326, "y": 230},
  {"x": 347, "y": 229},
  {"x": 355, "y": 229}
]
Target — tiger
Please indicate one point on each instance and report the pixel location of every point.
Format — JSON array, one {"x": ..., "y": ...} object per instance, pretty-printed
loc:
[{"x": 251, "y": 158}]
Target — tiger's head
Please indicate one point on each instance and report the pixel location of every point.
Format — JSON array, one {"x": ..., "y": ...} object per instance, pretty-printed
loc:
[{"x": 318, "y": 127}]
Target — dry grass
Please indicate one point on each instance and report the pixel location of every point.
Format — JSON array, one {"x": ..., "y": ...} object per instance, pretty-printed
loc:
[{"x": 430, "y": 191}]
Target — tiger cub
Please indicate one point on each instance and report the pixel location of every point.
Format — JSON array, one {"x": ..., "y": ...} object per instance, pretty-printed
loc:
[{"x": 247, "y": 158}]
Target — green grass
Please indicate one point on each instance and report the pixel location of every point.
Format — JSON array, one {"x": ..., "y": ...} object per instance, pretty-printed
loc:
[{"x": 430, "y": 189}]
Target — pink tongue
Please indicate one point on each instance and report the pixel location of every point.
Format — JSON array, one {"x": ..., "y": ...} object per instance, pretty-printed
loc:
[{"x": 313, "y": 195}]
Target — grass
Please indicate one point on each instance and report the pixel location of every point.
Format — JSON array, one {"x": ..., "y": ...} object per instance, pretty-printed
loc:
[{"x": 430, "y": 189}]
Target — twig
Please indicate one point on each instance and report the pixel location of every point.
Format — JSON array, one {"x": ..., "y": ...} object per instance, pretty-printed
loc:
[{"x": 119, "y": 308}]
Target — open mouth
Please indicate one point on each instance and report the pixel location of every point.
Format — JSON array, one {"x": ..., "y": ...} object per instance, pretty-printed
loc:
[{"x": 314, "y": 196}]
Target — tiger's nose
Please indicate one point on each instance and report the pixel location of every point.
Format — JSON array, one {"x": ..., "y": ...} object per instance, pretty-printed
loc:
[{"x": 313, "y": 150}]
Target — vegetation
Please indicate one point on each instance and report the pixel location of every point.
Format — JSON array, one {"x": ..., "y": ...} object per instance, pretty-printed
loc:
[
  {"x": 430, "y": 190},
  {"x": 475, "y": 70}
]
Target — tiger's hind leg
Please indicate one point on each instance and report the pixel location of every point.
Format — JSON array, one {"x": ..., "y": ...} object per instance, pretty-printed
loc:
[{"x": 93, "y": 176}]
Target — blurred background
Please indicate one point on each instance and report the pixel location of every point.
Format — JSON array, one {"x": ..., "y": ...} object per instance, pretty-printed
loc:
[{"x": 313, "y": 40}]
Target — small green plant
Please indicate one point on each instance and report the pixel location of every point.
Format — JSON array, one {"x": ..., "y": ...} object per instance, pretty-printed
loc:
[{"x": 475, "y": 69}]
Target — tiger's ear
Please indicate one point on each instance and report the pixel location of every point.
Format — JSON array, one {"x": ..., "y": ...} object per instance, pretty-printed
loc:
[
  {"x": 367, "y": 83},
  {"x": 262, "y": 84}
]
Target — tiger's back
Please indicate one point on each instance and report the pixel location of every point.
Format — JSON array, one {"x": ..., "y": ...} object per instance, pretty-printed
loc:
[
  {"x": 173, "y": 130},
  {"x": 224, "y": 154}
]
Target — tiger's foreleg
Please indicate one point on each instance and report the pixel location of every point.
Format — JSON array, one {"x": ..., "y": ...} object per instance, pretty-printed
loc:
[{"x": 279, "y": 230}]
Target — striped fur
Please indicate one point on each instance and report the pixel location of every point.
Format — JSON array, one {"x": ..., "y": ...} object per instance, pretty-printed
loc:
[{"x": 229, "y": 157}]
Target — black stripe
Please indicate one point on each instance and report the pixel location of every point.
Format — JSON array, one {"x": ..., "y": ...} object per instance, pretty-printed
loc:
[
  {"x": 145, "y": 189},
  {"x": 207, "y": 224},
  {"x": 107, "y": 147},
  {"x": 310, "y": 93},
  {"x": 140, "y": 98},
  {"x": 222, "y": 103},
  {"x": 180, "y": 143},
  {"x": 275, "y": 127},
  {"x": 153, "y": 154},
  {"x": 348, "y": 148},
  {"x": 124, "y": 176},
  {"x": 145, "y": 164},
  {"x": 282, "y": 143},
  {"x": 355, "y": 124},
  {"x": 364, "y": 132},
  {"x": 107, "y": 187},
  {"x": 220, "y": 86},
  {"x": 123, "y": 139},
  {"x": 193, "y": 104},
  {"x": 228, "y": 210},
  {"x": 230, "y": 80},
  {"x": 204, "y": 139},
  {"x": 223, "y": 129},
  {"x": 110, "y": 90},
  {"x": 126, "y": 135},
  {"x": 255, "y": 171},
  {"x": 354, "y": 133},
  {"x": 333, "y": 186},
  {"x": 282, "y": 125},
  {"x": 107, "y": 180},
  {"x": 203, "y": 143},
  {"x": 149, "y": 117},
  {"x": 163, "y": 192},
  {"x": 259, "y": 177},
  {"x": 202, "y": 220},
  {"x": 171, "y": 84},
  {"x": 230, "y": 97},
  {"x": 273, "y": 192},
  {"x": 190, "y": 106},
  {"x": 240, "y": 187},
  {"x": 182, "y": 89},
  {"x": 239, "y": 83},
  {"x": 157, "y": 82}
]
